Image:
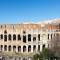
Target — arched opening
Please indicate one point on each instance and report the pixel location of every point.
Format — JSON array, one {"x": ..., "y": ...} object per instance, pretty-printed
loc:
[
  {"x": 5, "y": 37},
  {"x": 5, "y": 32},
  {"x": 14, "y": 36},
  {"x": 34, "y": 38},
  {"x": 1, "y": 36},
  {"x": 19, "y": 48},
  {"x": 5, "y": 47},
  {"x": 14, "y": 48},
  {"x": 29, "y": 37},
  {"x": 24, "y": 38},
  {"x": 43, "y": 46},
  {"x": 24, "y": 32},
  {"x": 24, "y": 48},
  {"x": 34, "y": 48},
  {"x": 39, "y": 37},
  {"x": 38, "y": 47},
  {"x": 9, "y": 37},
  {"x": 29, "y": 48},
  {"x": 19, "y": 37},
  {"x": 9, "y": 48}
]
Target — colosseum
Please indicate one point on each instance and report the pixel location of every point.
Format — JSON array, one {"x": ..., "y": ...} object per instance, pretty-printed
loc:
[{"x": 27, "y": 39}]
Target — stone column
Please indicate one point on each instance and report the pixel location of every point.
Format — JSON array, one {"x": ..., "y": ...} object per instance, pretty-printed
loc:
[
  {"x": 36, "y": 48},
  {"x": 12, "y": 48},
  {"x": 36, "y": 38},
  {"x": 41, "y": 47},
  {"x": 26, "y": 38},
  {"x": 26, "y": 48},
  {"x": 32, "y": 48},
  {"x": 49, "y": 36},
  {"x": 21, "y": 58},
  {"x": 16, "y": 48},
  {"x": 32, "y": 38},
  {"x": 21, "y": 48}
]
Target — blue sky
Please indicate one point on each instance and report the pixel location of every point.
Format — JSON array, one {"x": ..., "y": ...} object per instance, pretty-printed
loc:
[{"x": 18, "y": 11}]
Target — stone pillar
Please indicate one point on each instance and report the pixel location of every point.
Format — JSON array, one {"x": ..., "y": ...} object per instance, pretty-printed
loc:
[
  {"x": 32, "y": 38},
  {"x": 41, "y": 47},
  {"x": 36, "y": 48},
  {"x": 32, "y": 48},
  {"x": 26, "y": 38},
  {"x": 49, "y": 36},
  {"x": 21, "y": 58},
  {"x": 26, "y": 48},
  {"x": 36, "y": 38},
  {"x": 16, "y": 48},
  {"x": 12, "y": 48},
  {"x": 3, "y": 48},
  {"x": 21, "y": 48}
]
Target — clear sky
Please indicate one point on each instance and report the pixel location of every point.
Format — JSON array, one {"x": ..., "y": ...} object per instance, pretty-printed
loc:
[{"x": 18, "y": 11}]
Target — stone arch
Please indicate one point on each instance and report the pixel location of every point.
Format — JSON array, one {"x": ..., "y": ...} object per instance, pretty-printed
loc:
[
  {"x": 29, "y": 48},
  {"x": 14, "y": 48},
  {"x": 19, "y": 37},
  {"x": 24, "y": 48},
  {"x": 9, "y": 48},
  {"x": 5, "y": 47},
  {"x": 19, "y": 48},
  {"x": 29, "y": 37},
  {"x": 14, "y": 36},
  {"x": 24, "y": 38},
  {"x": 9, "y": 37}
]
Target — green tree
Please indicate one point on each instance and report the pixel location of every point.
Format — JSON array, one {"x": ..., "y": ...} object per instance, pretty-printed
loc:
[{"x": 44, "y": 54}]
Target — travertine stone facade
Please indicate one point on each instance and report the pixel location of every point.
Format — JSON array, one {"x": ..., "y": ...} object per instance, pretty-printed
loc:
[{"x": 27, "y": 38}]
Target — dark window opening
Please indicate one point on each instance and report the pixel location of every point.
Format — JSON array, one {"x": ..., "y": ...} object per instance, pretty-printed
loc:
[
  {"x": 9, "y": 48},
  {"x": 5, "y": 32},
  {"x": 34, "y": 48},
  {"x": 43, "y": 46},
  {"x": 5, "y": 37},
  {"x": 34, "y": 38},
  {"x": 24, "y": 48},
  {"x": 19, "y": 48},
  {"x": 14, "y": 48},
  {"x": 29, "y": 48},
  {"x": 24, "y": 32},
  {"x": 38, "y": 47},
  {"x": 24, "y": 38},
  {"x": 14, "y": 37},
  {"x": 1, "y": 36},
  {"x": 29, "y": 37},
  {"x": 9, "y": 37},
  {"x": 48, "y": 36},
  {"x": 39, "y": 37},
  {"x": 51, "y": 36},
  {"x": 5, "y": 48},
  {"x": 19, "y": 37}
]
